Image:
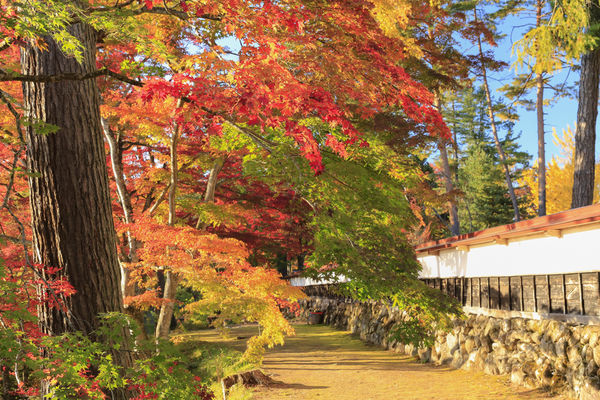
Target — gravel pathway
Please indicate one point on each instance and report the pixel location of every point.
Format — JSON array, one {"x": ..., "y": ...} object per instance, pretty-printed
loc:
[{"x": 326, "y": 364}]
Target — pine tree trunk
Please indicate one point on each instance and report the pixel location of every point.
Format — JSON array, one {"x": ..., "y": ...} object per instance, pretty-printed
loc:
[
  {"x": 71, "y": 208},
  {"x": 585, "y": 133},
  {"x": 539, "y": 105},
  {"x": 447, "y": 176},
  {"x": 541, "y": 147},
  {"x": 501, "y": 154}
]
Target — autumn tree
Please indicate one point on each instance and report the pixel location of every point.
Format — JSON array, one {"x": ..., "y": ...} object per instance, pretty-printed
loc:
[
  {"x": 560, "y": 171},
  {"x": 71, "y": 209},
  {"x": 572, "y": 31},
  {"x": 540, "y": 57}
]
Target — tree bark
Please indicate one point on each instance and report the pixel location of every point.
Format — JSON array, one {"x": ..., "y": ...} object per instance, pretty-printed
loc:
[
  {"x": 585, "y": 132},
  {"x": 171, "y": 277},
  {"x": 163, "y": 324},
  {"x": 116, "y": 160},
  {"x": 211, "y": 185},
  {"x": 541, "y": 147},
  {"x": 71, "y": 209},
  {"x": 447, "y": 175}
]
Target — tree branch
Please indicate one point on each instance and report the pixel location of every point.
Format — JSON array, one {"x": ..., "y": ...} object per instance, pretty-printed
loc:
[
  {"x": 69, "y": 76},
  {"x": 155, "y": 10}
]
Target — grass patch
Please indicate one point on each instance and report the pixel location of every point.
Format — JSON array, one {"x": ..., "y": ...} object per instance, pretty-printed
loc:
[{"x": 214, "y": 356}]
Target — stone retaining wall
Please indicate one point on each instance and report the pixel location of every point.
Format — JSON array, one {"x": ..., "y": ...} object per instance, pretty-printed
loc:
[{"x": 535, "y": 353}]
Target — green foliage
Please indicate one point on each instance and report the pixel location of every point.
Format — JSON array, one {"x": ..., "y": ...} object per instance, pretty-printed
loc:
[
  {"x": 484, "y": 200},
  {"x": 566, "y": 33},
  {"x": 362, "y": 216},
  {"x": 486, "y": 203},
  {"x": 74, "y": 365},
  {"x": 46, "y": 18}
]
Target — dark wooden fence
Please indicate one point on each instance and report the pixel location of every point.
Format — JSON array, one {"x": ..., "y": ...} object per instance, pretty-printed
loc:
[{"x": 577, "y": 293}]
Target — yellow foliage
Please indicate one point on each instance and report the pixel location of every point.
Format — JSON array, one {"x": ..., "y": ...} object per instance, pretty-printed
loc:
[
  {"x": 394, "y": 19},
  {"x": 559, "y": 176}
]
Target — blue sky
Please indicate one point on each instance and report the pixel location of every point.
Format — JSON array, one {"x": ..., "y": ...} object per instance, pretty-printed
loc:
[{"x": 559, "y": 115}]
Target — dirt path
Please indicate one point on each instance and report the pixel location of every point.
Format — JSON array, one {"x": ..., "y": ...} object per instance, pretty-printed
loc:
[{"x": 326, "y": 364}]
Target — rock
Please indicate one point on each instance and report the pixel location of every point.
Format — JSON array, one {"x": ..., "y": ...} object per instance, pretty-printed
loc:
[
  {"x": 451, "y": 342},
  {"x": 438, "y": 347},
  {"x": 557, "y": 330},
  {"x": 590, "y": 389},
  {"x": 517, "y": 377},
  {"x": 499, "y": 349},
  {"x": 594, "y": 336},
  {"x": 457, "y": 361},
  {"x": 560, "y": 347},
  {"x": 543, "y": 374},
  {"x": 529, "y": 368},
  {"x": 591, "y": 368},
  {"x": 503, "y": 365},
  {"x": 574, "y": 356},
  {"x": 518, "y": 324},
  {"x": 536, "y": 337},
  {"x": 547, "y": 348},
  {"x": 535, "y": 325},
  {"x": 486, "y": 344},
  {"x": 424, "y": 355},
  {"x": 489, "y": 366},
  {"x": 596, "y": 355}
]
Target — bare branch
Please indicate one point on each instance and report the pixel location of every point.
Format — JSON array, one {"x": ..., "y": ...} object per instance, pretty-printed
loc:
[{"x": 69, "y": 76}]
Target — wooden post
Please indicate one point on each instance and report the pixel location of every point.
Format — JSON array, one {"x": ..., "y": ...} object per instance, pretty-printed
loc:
[
  {"x": 549, "y": 294},
  {"x": 581, "y": 305},
  {"x": 522, "y": 294},
  {"x": 489, "y": 293},
  {"x": 499, "y": 295},
  {"x": 455, "y": 287},
  {"x": 471, "y": 291},
  {"x": 509, "y": 295},
  {"x": 479, "y": 287},
  {"x": 598, "y": 292},
  {"x": 535, "y": 305},
  {"x": 462, "y": 291},
  {"x": 564, "y": 290}
]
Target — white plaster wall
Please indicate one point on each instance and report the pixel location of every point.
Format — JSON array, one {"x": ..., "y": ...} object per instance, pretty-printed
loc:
[
  {"x": 578, "y": 250},
  {"x": 302, "y": 281}
]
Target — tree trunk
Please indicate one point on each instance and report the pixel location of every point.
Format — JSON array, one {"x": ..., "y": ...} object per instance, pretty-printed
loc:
[
  {"x": 171, "y": 278},
  {"x": 447, "y": 176},
  {"x": 541, "y": 147},
  {"x": 540, "y": 128},
  {"x": 116, "y": 158},
  {"x": 501, "y": 154},
  {"x": 585, "y": 132},
  {"x": 71, "y": 208},
  {"x": 211, "y": 185},
  {"x": 163, "y": 324}
]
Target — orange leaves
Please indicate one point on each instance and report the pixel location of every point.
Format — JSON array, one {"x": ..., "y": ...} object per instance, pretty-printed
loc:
[{"x": 183, "y": 248}]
